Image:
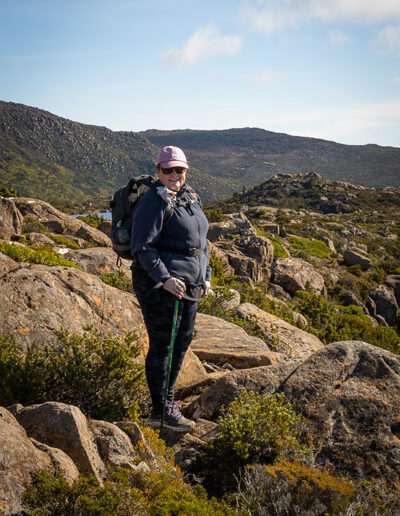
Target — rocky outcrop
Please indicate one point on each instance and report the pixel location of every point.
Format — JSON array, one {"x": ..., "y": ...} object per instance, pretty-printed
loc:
[
  {"x": 10, "y": 219},
  {"x": 281, "y": 336},
  {"x": 355, "y": 257},
  {"x": 350, "y": 393},
  {"x": 19, "y": 457},
  {"x": 264, "y": 380},
  {"x": 65, "y": 427},
  {"x": 98, "y": 261},
  {"x": 235, "y": 224},
  {"x": 37, "y": 299},
  {"x": 294, "y": 274},
  {"x": 219, "y": 341},
  {"x": 386, "y": 304},
  {"x": 58, "y": 222}
]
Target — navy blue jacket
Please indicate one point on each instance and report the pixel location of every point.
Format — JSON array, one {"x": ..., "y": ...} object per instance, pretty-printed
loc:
[{"x": 156, "y": 234}]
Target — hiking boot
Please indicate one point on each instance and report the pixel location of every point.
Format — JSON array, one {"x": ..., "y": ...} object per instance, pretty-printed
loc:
[{"x": 174, "y": 420}]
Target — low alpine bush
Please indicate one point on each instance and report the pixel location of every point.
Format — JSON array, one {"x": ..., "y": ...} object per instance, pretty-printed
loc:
[{"x": 98, "y": 373}]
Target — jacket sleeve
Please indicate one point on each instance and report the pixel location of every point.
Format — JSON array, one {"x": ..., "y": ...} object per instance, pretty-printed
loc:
[
  {"x": 147, "y": 222},
  {"x": 208, "y": 268}
]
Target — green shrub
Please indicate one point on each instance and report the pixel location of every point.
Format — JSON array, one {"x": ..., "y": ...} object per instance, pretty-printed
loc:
[
  {"x": 6, "y": 192},
  {"x": 117, "y": 280},
  {"x": 255, "y": 428},
  {"x": 66, "y": 242},
  {"x": 214, "y": 215},
  {"x": 99, "y": 374},
  {"x": 32, "y": 225},
  {"x": 333, "y": 323},
  {"x": 92, "y": 219},
  {"x": 123, "y": 494},
  {"x": 41, "y": 255},
  {"x": 311, "y": 247}
]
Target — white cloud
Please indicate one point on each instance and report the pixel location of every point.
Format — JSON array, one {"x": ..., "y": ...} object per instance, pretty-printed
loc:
[
  {"x": 266, "y": 77},
  {"x": 273, "y": 15},
  {"x": 337, "y": 38},
  {"x": 205, "y": 42},
  {"x": 387, "y": 40}
]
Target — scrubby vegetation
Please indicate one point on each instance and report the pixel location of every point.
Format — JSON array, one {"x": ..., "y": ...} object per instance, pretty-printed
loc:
[
  {"x": 98, "y": 373},
  {"x": 255, "y": 428},
  {"x": 42, "y": 255},
  {"x": 92, "y": 219},
  {"x": 118, "y": 280}
]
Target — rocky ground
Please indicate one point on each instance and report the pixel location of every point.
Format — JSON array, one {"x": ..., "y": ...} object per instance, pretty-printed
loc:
[{"x": 347, "y": 389}]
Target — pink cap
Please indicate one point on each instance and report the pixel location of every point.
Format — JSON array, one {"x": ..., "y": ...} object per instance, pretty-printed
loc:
[{"x": 172, "y": 157}]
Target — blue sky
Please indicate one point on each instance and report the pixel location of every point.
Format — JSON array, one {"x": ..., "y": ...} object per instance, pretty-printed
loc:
[{"x": 323, "y": 68}]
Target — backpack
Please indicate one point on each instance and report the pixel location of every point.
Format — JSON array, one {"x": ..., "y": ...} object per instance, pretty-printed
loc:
[{"x": 121, "y": 206}]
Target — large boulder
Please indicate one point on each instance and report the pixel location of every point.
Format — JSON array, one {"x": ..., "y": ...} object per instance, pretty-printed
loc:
[
  {"x": 65, "y": 427},
  {"x": 282, "y": 336},
  {"x": 219, "y": 341},
  {"x": 249, "y": 256},
  {"x": 386, "y": 303},
  {"x": 356, "y": 257},
  {"x": 234, "y": 224},
  {"x": 38, "y": 299},
  {"x": 349, "y": 392},
  {"x": 10, "y": 219},
  {"x": 19, "y": 457},
  {"x": 294, "y": 274},
  {"x": 58, "y": 222},
  {"x": 264, "y": 380}
]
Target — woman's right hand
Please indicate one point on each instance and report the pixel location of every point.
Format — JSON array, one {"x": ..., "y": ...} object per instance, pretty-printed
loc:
[{"x": 175, "y": 286}]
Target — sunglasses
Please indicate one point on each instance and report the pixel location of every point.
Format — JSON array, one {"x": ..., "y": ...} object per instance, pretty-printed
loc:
[{"x": 168, "y": 171}]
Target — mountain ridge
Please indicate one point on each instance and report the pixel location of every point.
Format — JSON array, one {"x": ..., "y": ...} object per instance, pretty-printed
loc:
[{"x": 64, "y": 162}]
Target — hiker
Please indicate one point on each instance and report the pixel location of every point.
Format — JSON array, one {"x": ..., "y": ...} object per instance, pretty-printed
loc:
[{"x": 170, "y": 261}]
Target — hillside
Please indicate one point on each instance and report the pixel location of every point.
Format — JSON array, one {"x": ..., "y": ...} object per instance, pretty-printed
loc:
[
  {"x": 49, "y": 157},
  {"x": 77, "y": 166},
  {"x": 313, "y": 192},
  {"x": 249, "y": 156}
]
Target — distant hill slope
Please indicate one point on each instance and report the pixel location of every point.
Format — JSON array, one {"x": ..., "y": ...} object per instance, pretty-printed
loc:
[
  {"x": 64, "y": 162},
  {"x": 311, "y": 192},
  {"x": 49, "y": 157},
  {"x": 249, "y": 156}
]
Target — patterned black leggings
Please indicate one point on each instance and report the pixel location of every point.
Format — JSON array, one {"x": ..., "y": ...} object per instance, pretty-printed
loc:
[{"x": 158, "y": 311}]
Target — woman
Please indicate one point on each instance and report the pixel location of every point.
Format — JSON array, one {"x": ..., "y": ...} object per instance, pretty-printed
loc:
[{"x": 169, "y": 248}]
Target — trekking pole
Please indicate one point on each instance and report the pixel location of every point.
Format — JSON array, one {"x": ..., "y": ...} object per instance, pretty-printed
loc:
[{"x": 171, "y": 352}]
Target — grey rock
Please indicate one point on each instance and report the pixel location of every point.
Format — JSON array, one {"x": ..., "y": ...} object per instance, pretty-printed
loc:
[
  {"x": 18, "y": 459},
  {"x": 65, "y": 427},
  {"x": 386, "y": 304},
  {"x": 393, "y": 282},
  {"x": 352, "y": 257},
  {"x": 294, "y": 274},
  {"x": 219, "y": 341},
  {"x": 114, "y": 445},
  {"x": 281, "y": 336},
  {"x": 10, "y": 219}
]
